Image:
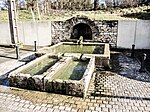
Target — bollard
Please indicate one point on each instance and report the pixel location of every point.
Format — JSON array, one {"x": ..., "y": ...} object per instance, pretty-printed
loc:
[
  {"x": 143, "y": 58},
  {"x": 132, "y": 53},
  {"x": 35, "y": 46},
  {"x": 17, "y": 52}
]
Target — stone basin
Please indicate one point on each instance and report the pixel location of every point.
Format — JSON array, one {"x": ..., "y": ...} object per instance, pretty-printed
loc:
[
  {"x": 66, "y": 71},
  {"x": 72, "y": 78},
  {"x": 27, "y": 75},
  {"x": 101, "y": 51},
  {"x": 66, "y": 75}
]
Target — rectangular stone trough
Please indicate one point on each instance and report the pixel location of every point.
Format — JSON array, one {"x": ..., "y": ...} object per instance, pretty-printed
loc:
[
  {"x": 101, "y": 51},
  {"x": 71, "y": 78},
  {"x": 31, "y": 75},
  {"x": 66, "y": 75}
]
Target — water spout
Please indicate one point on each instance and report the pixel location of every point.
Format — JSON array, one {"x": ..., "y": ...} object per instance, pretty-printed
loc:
[
  {"x": 80, "y": 41},
  {"x": 81, "y": 57}
]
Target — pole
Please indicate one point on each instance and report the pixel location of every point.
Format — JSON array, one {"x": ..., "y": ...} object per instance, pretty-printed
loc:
[
  {"x": 35, "y": 46},
  {"x": 132, "y": 53},
  {"x": 17, "y": 52}
]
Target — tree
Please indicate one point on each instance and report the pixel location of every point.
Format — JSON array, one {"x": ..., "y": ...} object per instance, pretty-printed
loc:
[{"x": 95, "y": 4}]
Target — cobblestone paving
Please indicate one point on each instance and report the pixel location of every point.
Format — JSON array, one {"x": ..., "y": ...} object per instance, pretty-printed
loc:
[{"x": 108, "y": 92}]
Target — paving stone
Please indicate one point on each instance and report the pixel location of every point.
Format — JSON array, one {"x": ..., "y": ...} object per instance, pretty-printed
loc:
[
  {"x": 68, "y": 108},
  {"x": 50, "y": 110},
  {"x": 80, "y": 110},
  {"x": 44, "y": 105},
  {"x": 62, "y": 107},
  {"x": 56, "y": 107},
  {"x": 74, "y": 110},
  {"x": 85, "y": 107},
  {"x": 49, "y": 105},
  {"x": 91, "y": 108},
  {"x": 31, "y": 106},
  {"x": 62, "y": 111},
  {"x": 37, "y": 108},
  {"x": 98, "y": 108},
  {"x": 56, "y": 110},
  {"x": 134, "y": 108},
  {"x": 88, "y": 110},
  {"x": 43, "y": 109},
  {"x": 147, "y": 108},
  {"x": 16, "y": 104}
]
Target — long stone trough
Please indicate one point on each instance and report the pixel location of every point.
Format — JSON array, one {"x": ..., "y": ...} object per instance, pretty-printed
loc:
[
  {"x": 64, "y": 71},
  {"x": 45, "y": 81},
  {"x": 101, "y": 53},
  {"x": 35, "y": 69}
]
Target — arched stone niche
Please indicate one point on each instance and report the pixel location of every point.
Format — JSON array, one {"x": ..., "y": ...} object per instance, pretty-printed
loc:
[
  {"x": 104, "y": 31},
  {"x": 85, "y": 24}
]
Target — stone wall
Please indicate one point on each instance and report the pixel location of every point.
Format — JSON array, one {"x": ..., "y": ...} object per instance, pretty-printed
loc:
[
  {"x": 107, "y": 31},
  {"x": 102, "y": 30}
]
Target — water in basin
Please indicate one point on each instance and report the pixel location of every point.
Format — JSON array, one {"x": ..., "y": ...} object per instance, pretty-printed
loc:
[
  {"x": 40, "y": 67},
  {"x": 74, "y": 70},
  {"x": 84, "y": 49}
]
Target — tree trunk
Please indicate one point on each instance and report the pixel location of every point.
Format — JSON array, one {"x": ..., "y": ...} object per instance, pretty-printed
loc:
[
  {"x": 37, "y": 4},
  {"x": 95, "y": 4},
  {"x": 33, "y": 16}
]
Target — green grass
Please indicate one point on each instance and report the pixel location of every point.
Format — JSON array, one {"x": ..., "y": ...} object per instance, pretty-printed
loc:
[
  {"x": 141, "y": 12},
  {"x": 3, "y": 16}
]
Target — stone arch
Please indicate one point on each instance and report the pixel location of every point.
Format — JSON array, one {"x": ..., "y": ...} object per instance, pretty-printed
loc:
[
  {"x": 80, "y": 20},
  {"x": 81, "y": 29}
]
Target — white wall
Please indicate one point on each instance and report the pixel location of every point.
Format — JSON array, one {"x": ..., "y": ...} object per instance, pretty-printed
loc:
[
  {"x": 142, "y": 40},
  {"x": 133, "y": 32},
  {"x": 5, "y": 34},
  {"x": 28, "y": 33}
]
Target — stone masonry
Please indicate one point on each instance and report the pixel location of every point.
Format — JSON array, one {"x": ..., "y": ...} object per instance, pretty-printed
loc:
[{"x": 102, "y": 30}]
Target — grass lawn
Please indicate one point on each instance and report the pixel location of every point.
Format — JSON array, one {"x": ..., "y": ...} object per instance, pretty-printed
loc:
[{"x": 141, "y": 12}]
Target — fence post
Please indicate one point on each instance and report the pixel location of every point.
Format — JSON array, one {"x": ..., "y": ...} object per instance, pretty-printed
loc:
[
  {"x": 35, "y": 46},
  {"x": 132, "y": 52},
  {"x": 17, "y": 51}
]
